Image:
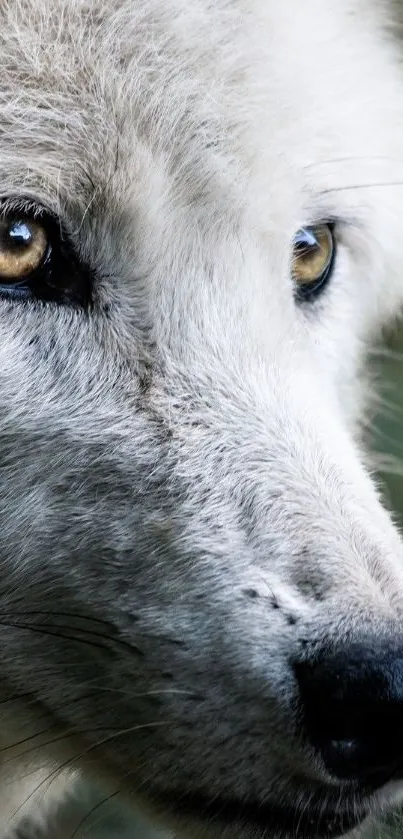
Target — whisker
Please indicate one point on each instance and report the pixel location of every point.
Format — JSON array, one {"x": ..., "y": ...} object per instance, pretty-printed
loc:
[
  {"x": 75, "y": 732},
  {"x": 351, "y": 187},
  {"x": 93, "y": 810},
  {"x": 28, "y": 739},
  {"x": 129, "y": 646},
  {"x": 76, "y": 615},
  {"x": 97, "y": 191},
  {"x": 51, "y": 777},
  {"x": 80, "y": 755},
  {"x": 45, "y": 630},
  {"x": 352, "y": 159}
]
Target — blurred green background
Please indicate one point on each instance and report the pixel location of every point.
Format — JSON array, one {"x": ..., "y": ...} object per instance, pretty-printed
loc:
[
  {"x": 386, "y": 427},
  {"x": 385, "y": 432}
]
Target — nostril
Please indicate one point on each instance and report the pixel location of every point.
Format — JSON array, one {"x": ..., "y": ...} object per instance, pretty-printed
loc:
[
  {"x": 352, "y": 707},
  {"x": 356, "y": 759},
  {"x": 344, "y": 750}
]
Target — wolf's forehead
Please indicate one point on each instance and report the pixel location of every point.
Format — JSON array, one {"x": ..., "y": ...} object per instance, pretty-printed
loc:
[
  {"x": 197, "y": 92},
  {"x": 60, "y": 96},
  {"x": 82, "y": 83}
]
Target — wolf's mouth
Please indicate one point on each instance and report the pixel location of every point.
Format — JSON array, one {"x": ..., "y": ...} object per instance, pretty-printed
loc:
[{"x": 310, "y": 822}]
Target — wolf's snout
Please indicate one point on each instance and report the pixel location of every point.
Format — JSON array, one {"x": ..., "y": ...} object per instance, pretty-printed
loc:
[{"x": 352, "y": 703}]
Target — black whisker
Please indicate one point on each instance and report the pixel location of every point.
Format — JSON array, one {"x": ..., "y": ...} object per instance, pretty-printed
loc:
[
  {"x": 51, "y": 630},
  {"x": 353, "y": 187},
  {"x": 79, "y": 756},
  {"x": 93, "y": 810}
]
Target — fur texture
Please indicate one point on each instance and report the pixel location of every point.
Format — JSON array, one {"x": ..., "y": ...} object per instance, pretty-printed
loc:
[{"x": 185, "y": 499}]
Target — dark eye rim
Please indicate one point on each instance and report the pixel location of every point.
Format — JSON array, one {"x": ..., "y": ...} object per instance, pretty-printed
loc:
[
  {"x": 309, "y": 292},
  {"x": 61, "y": 277}
]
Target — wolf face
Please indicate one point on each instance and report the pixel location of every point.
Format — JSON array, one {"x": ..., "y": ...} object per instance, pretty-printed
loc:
[{"x": 202, "y": 595}]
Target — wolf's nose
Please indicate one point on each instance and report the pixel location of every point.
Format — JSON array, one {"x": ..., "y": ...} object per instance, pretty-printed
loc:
[{"x": 352, "y": 704}]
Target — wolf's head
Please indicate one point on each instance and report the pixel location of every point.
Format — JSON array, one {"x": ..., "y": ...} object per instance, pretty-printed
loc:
[{"x": 201, "y": 232}]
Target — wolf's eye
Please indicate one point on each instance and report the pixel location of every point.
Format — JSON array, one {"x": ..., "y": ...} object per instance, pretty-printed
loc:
[
  {"x": 37, "y": 260},
  {"x": 312, "y": 259},
  {"x": 23, "y": 247}
]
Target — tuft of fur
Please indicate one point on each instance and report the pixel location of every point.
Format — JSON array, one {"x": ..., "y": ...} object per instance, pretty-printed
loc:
[{"x": 185, "y": 494}]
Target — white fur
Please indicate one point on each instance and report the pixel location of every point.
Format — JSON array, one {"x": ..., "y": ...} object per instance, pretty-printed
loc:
[{"x": 197, "y": 434}]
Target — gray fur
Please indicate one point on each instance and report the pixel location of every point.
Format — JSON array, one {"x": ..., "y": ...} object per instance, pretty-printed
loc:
[{"x": 185, "y": 495}]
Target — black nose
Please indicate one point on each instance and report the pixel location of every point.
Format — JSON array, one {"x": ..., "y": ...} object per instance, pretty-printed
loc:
[{"x": 352, "y": 703}]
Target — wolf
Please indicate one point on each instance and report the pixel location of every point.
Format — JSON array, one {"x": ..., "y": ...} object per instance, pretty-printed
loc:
[{"x": 201, "y": 600}]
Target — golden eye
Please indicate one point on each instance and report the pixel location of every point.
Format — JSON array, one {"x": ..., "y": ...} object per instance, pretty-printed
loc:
[
  {"x": 312, "y": 259},
  {"x": 23, "y": 248}
]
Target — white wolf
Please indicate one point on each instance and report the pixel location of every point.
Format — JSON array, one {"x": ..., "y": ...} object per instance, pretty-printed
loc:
[{"x": 201, "y": 231}]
